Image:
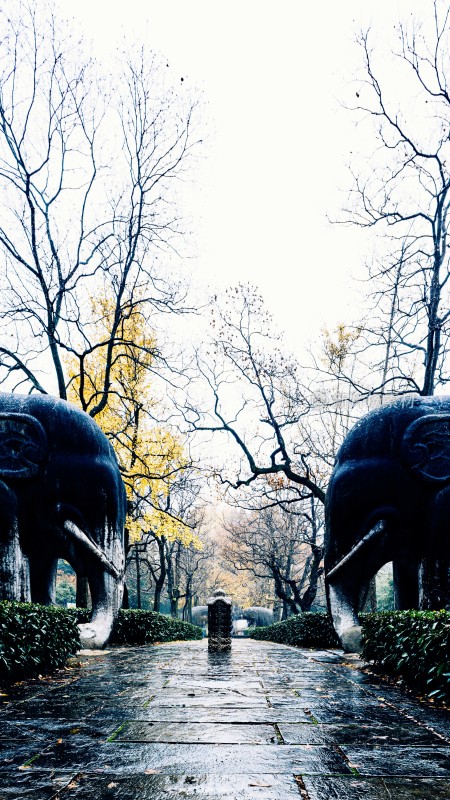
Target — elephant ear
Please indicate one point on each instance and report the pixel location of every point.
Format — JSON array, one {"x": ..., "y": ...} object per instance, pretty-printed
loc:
[
  {"x": 426, "y": 447},
  {"x": 23, "y": 446}
]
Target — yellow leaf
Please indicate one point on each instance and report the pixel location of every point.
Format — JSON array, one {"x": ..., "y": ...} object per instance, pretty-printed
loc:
[{"x": 151, "y": 457}]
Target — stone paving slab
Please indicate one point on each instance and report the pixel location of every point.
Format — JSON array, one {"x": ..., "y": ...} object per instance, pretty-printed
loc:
[
  {"x": 194, "y": 733},
  {"x": 264, "y": 721},
  {"x": 203, "y": 714},
  {"x": 296, "y": 733},
  {"x": 418, "y": 761},
  {"x": 376, "y": 788},
  {"x": 83, "y": 786},
  {"x": 199, "y": 759}
]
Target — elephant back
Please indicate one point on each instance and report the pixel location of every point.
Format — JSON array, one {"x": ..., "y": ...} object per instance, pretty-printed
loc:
[{"x": 381, "y": 433}]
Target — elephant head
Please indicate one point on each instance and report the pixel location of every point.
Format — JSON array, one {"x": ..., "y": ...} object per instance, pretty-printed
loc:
[
  {"x": 389, "y": 500},
  {"x": 62, "y": 496}
]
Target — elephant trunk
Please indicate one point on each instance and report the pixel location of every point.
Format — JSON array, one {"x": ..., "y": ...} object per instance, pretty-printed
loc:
[
  {"x": 105, "y": 573},
  {"x": 344, "y": 583},
  {"x": 91, "y": 548}
]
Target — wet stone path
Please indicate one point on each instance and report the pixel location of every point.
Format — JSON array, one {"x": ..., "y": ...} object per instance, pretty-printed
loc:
[{"x": 264, "y": 721}]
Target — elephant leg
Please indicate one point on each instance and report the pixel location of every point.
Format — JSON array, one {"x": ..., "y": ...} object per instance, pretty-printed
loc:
[
  {"x": 406, "y": 584},
  {"x": 14, "y": 568},
  {"x": 43, "y": 571},
  {"x": 434, "y": 571},
  {"x": 434, "y": 584},
  {"x": 106, "y": 594}
]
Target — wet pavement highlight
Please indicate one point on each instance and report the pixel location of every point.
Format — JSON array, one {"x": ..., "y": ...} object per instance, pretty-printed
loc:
[{"x": 263, "y": 721}]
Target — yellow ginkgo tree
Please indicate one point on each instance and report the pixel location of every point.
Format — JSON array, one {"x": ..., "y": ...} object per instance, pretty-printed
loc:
[{"x": 153, "y": 460}]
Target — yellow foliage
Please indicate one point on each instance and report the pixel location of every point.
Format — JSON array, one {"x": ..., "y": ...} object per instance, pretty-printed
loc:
[
  {"x": 237, "y": 585},
  {"x": 150, "y": 456},
  {"x": 337, "y": 344}
]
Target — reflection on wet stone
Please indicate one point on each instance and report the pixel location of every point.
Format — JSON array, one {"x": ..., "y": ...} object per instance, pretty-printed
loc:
[{"x": 181, "y": 721}]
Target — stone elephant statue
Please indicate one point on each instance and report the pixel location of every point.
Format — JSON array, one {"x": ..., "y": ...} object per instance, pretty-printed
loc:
[
  {"x": 258, "y": 616},
  {"x": 389, "y": 500},
  {"x": 61, "y": 496}
]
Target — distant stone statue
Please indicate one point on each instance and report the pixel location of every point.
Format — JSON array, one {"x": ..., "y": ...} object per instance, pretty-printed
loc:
[
  {"x": 389, "y": 500},
  {"x": 258, "y": 616},
  {"x": 200, "y": 615},
  {"x": 219, "y": 621},
  {"x": 61, "y": 496}
]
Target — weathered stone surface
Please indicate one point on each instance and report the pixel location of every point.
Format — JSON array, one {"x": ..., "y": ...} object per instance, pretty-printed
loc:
[
  {"x": 209, "y": 699},
  {"x": 40, "y": 786},
  {"x": 359, "y": 734},
  {"x": 26, "y": 785},
  {"x": 373, "y": 713},
  {"x": 192, "y": 733},
  {"x": 104, "y": 734},
  {"x": 385, "y": 760},
  {"x": 376, "y": 788},
  {"x": 199, "y": 759},
  {"x": 203, "y": 714},
  {"x": 58, "y": 470}
]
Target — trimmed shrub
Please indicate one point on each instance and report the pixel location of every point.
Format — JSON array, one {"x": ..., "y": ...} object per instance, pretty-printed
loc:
[
  {"x": 34, "y": 639},
  {"x": 310, "y": 629},
  {"x": 134, "y": 626},
  {"x": 412, "y": 644}
]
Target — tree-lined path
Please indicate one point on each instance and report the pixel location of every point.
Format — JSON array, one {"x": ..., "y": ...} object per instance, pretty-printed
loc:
[{"x": 264, "y": 721}]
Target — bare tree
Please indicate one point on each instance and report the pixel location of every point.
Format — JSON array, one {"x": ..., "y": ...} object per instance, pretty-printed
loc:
[
  {"x": 249, "y": 391},
  {"x": 87, "y": 201},
  {"x": 287, "y": 547},
  {"x": 402, "y": 190},
  {"x": 187, "y": 567}
]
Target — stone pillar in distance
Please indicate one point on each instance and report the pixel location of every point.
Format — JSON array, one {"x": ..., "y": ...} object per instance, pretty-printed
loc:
[{"x": 219, "y": 622}]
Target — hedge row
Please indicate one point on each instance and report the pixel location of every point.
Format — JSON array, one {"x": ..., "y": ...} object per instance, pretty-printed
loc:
[
  {"x": 35, "y": 638},
  {"x": 311, "y": 629},
  {"x": 412, "y": 644},
  {"x": 134, "y": 626}
]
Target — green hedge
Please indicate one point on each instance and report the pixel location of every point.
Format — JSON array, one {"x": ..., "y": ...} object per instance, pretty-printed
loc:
[
  {"x": 134, "y": 626},
  {"x": 38, "y": 639},
  {"x": 304, "y": 630},
  {"x": 35, "y": 639},
  {"x": 414, "y": 645},
  {"x": 145, "y": 627}
]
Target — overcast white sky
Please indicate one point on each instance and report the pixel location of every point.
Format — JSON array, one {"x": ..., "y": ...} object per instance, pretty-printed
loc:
[{"x": 273, "y": 75}]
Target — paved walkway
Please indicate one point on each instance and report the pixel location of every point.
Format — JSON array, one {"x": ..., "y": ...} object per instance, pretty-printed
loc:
[{"x": 265, "y": 721}]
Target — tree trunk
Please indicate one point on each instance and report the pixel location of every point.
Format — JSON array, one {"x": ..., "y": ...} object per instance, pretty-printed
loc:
[
  {"x": 82, "y": 596},
  {"x": 277, "y": 608},
  {"x": 138, "y": 579},
  {"x": 161, "y": 578}
]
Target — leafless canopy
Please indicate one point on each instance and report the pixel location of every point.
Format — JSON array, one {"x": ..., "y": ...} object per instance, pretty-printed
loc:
[
  {"x": 250, "y": 391},
  {"x": 88, "y": 213},
  {"x": 402, "y": 190}
]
